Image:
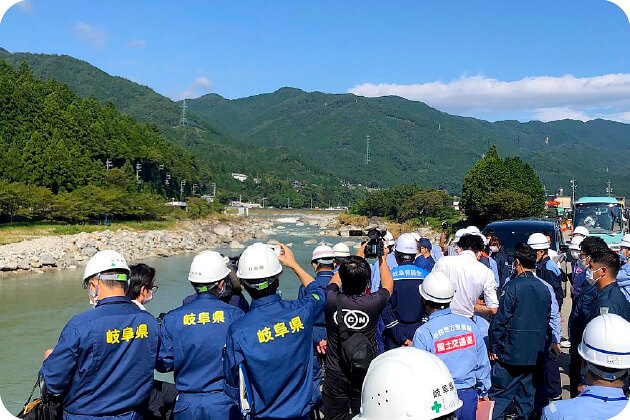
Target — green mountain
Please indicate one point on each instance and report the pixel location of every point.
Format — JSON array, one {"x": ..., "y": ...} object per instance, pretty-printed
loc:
[{"x": 412, "y": 142}]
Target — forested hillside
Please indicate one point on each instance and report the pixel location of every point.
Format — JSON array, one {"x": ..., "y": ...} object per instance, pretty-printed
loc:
[{"x": 412, "y": 142}]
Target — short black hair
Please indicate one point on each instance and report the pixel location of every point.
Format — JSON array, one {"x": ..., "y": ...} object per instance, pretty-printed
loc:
[
  {"x": 471, "y": 243},
  {"x": 355, "y": 274},
  {"x": 402, "y": 257},
  {"x": 319, "y": 264},
  {"x": 593, "y": 244},
  {"x": 141, "y": 276},
  {"x": 609, "y": 259},
  {"x": 525, "y": 255},
  {"x": 271, "y": 289},
  {"x": 436, "y": 305},
  {"x": 109, "y": 283}
]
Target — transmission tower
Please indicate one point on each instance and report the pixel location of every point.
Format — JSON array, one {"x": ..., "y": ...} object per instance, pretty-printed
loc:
[
  {"x": 609, "y": 189},
  {"x": 183, "y": 122},
  {"x": 367, "y": 149},
  {"x": 108, "y": 164},
  {"x": 138, "y": 169},
  {"x": 573, "y": 188}
]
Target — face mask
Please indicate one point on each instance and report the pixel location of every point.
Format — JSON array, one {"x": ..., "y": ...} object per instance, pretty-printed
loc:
[
  {"x": 590, "y": 278},
  {"x": 582, "y": 263},
  {"x": 149, "y": 299},
  {"x": 494, "y": 249},
  {"x": 575, "y": 255},
  {"x": 92, "y": 296}
]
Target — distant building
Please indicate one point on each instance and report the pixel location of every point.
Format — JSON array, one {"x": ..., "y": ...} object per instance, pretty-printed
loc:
[
  {"x": 236, "y": 203},
  {"x": 208, "y": 198},
  {"x": 239, "y": 177},
  {"x": 181, "y": 204}
]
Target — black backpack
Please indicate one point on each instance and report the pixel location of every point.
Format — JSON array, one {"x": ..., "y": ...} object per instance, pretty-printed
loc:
[{"x": 355, "y": 350}]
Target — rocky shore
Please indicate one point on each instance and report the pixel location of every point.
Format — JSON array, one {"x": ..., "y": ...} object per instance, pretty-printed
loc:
[{"x": 71, "y": 251}]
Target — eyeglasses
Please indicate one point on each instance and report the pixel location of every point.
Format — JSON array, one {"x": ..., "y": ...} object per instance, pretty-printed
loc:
[{"x": 154, "y": 289}]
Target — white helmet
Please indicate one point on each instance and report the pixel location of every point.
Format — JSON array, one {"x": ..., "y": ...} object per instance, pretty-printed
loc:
[
  {"x": 606, "y": 343},
  {"x": 341, "y": 250},
  {"x": 208, "y": 267},
  {"x": 416, "y": 236},
  {"x": 407, "y": 384},
  {"x": 105, "y": 261},
  {"x": 473, "y": 229},
  {"x": 258, "y": 261},
  {"x": 625, "y": 241},
  {"x": 538, "y": 241},
  {"x": 406, "y": 244},
  {"x": 581, "y": 230},
  {"x": 389, "y": 238},
  {"x": 575, "y": 243},
  {"x": 437, "y": 287},
  {"x": 459, "y": 234},
  {"x": 323, "y": 252}
]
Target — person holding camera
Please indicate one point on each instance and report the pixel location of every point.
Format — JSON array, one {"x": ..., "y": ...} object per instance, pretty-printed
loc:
[
  {"x": 192, "y": 338},
  {"x": 268, "y": 357},
  {"x": 351, "y": 319}
]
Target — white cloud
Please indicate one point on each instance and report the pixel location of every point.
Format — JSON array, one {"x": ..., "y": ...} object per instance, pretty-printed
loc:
[
  {"x": 543, "y": 97},
  {"x": 137, "y": 44},
  {"x": 199, "y": 87},
  {"x": 90, "y": 34}
]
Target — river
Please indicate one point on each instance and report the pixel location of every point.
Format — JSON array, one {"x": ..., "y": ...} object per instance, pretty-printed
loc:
[{"x": 34, "y": 309}]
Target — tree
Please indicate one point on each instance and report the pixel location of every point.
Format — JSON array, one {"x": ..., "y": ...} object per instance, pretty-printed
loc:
[{"x": 496, "y": 188}]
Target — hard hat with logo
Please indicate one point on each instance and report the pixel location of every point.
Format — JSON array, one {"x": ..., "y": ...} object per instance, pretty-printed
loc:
[
  {"x": 389, "y": 238},
  {"x": 341, "y": 250},
  {"x": 208, "y": 267},
  {"x": 606, "y": 344},
  {"x": 459, "y": 234},
  {"x": 625, "y": 241},
  {"x": 323, "y": 252},
  {"x": 575, "y": 243},
  {"x": 581, "y": 230},
  {"x": 406, "y": 244},
  {"x": 106, "y": 260},
  {"x": 437, "y": 287},
  {"x": 538, "y": 241},
  {"x": 258, "y": 262},
  {"x": 407, "y": 384}
]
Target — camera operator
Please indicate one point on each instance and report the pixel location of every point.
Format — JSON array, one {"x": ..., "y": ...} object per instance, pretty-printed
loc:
[
  {"x": 351, "y": 317},
  {"x": 388, "y": 242}
]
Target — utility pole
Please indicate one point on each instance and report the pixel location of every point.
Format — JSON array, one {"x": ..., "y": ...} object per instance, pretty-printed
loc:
[
  {"x": 194, "y": 188},
  {"x": 311, "y": 202},
  {"x": 108, "y": 164},
  {"x": 609, "y": 189},
  {"x": 263, "y": 202},
  {"x": 167, "y": 180},
  {"x": 288, "y": 202},
  {"x": 214, "y": 189},
  {"x": 573, "y": 188},
  {"x": 181, "y": 189},
  {"x": 183, "y": 122},
  {"x": 367, "y": 149},
  {"x": 138, "y": 169}
]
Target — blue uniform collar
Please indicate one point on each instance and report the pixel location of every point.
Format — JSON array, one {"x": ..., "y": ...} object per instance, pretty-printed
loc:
[
  {"x": 325, "y": 273},
  {"x": 440, "y": 312},
  {"x": 265, "y": 301},
  {"x": 604, "y": 393},
  {"x": 206, "y": 296},
  {"x": 113, "y": 299}
]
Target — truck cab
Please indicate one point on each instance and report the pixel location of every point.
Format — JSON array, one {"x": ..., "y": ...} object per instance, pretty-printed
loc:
[{"x": 603, "y": 217}]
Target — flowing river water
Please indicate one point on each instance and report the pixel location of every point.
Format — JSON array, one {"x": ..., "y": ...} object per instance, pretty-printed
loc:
[{"x": 34, "y": 309}]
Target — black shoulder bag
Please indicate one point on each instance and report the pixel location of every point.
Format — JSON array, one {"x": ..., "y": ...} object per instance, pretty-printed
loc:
[
  {"x": 46, "y": 407},
  {"x": 355, "y": 350}
]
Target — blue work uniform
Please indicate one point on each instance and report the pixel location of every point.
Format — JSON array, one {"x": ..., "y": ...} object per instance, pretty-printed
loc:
[
  {"x": 425, "y": 263},
  {"x": 235, "y": 299},
  {"x": 457, "y": 341},
  {"x": 272, "y": 346},
  {"x": 403, "y": 314},
  {"x": 549, "y": 271},
  {"x": 610, "y": 300},
  {"x": 192, "y": 339},
  {"x": 595, "y": 402},
  {"x": 578, "y": 280},
  {"x": 503, "y": 266},
  {"x": 104, "y": 361},
  {"x": 518, "y": 336},
  {"x": 319, "y": 333},
  {"x": 623, "y": 280},
  {"x": 580, "y": 312},
  {"x": 375, "y": 283}
]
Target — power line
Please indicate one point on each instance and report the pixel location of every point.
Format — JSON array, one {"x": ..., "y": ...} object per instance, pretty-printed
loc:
[{"x": 367, "y": 149}]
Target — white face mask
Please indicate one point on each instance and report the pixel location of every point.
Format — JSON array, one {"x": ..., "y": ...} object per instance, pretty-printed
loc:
[
  {"x": 590, "y": 278},
  {"x": 149, "y": 299},
  {"x": 494, "y": 249},
  {"x": 92, "y": 296}
]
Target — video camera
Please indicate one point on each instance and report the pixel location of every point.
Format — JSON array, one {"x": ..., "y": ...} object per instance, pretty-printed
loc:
[{"x": 375, "y": 242}]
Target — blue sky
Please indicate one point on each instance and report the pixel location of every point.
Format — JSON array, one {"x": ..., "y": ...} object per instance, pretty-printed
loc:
[{"x": 489, "y": 59}]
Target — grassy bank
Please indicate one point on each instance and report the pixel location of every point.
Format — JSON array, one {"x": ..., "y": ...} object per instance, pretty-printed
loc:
[{"x": 24, "y": 231}]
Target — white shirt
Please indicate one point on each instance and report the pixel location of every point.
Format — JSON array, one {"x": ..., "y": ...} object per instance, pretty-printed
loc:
[
  {"x": 470, "y": 280},
  {"x": 139, "y": 305}
]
